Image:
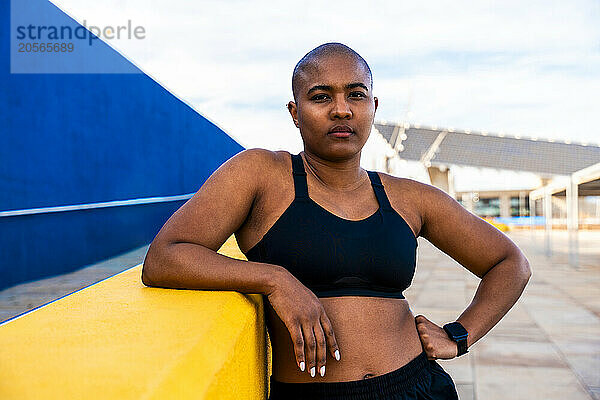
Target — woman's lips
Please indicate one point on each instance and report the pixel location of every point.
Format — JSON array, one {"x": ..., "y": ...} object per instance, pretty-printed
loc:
[
  {"x": 341, "y": 131},
  {"x": 341, "y": 134}
]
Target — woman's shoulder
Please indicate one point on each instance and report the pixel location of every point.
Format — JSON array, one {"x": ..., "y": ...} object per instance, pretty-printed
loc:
[
  {"x": 406, "y": 196},
  {"x": 256, "y": 154},
  {"x": 267, "y": 168},
  {"x": 257, "y": 159},
  {"x": 278, "y": 161},
  {"x": 422, "y": 195},
  {"x": 396, "y": 186},
  {"x": 264, "y": 157}
]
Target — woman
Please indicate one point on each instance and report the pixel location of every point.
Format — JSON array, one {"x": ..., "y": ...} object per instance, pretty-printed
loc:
[{"x": 333, "y": 246}]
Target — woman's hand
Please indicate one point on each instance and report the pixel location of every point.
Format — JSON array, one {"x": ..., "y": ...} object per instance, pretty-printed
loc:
[
  {"x": 435, "y": 340},
  {"x": 305, "y": 318}
]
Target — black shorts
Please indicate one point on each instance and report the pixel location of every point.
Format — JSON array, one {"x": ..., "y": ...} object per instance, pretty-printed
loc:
[{"x": 418, "y": 379}]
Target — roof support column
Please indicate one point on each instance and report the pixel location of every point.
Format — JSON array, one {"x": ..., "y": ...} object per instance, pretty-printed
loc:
[
  {"x": 532, "y": 217},
  {"x": 467, "y": 199},
  {"x": 505, "y": 206},
  {"x": 522, "y": 204},
  {"x": 573, "y": 220},
  {"x": 548, "y": 217}
]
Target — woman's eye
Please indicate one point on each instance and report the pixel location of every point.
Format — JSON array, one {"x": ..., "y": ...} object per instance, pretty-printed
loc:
[
  {"x": 357, "y": 94},
  {"x": 319, "y": 97}
]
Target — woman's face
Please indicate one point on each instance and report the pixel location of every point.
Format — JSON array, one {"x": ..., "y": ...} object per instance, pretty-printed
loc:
[{"x": 334, "y": 93}]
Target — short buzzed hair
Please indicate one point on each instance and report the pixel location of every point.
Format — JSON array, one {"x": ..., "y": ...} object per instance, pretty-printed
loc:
[{"x": 326, "y": 49}]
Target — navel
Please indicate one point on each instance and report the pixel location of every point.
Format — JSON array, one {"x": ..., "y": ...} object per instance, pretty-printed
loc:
[{"x": 367, "y": 376}]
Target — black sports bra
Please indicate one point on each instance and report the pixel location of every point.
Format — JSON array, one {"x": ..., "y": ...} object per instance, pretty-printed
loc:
[{"x": 333, "y": 256}]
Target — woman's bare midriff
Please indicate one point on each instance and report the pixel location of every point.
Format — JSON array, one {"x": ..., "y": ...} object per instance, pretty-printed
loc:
[{"x": 375, "y": 336}]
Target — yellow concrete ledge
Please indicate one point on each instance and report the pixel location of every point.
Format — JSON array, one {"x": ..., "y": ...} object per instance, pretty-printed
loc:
[{"x": 119, "y": 339}]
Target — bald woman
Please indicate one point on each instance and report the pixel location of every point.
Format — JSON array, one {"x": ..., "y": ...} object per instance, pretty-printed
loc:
[{"x": 332, "y": 247}]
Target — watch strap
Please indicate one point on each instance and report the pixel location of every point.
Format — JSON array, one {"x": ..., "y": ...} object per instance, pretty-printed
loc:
[
  {"x": 461, "y": 341},
  {"x": 462, "y": 347}
]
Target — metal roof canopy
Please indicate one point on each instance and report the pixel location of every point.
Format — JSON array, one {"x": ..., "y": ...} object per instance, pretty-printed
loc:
[
  {"x": 434, "y": 146},
  {"x": 591, "y": 188},
  {"x": 586, "y": 181}
]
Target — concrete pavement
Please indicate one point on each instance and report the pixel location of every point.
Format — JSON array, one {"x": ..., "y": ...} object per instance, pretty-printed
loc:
[{"x": 546, "y": 347}]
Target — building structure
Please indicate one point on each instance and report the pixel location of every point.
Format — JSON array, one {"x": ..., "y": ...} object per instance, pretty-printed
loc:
[{"x": 568, "y": 172}]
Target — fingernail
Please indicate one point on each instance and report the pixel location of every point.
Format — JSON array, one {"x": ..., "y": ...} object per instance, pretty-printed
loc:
[
  {"x": 312, "y": 372},
  {"x": 302, "y": 366},
  {"x": 322, "y": 371},
  {"x": 337, "y": 355}
]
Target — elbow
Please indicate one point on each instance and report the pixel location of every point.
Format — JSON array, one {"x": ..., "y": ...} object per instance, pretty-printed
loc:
[
  {"x": 157, "y": 269},
  {"x": 526, "y": 274},
  {"x": 526, "y": 267},
  {"x": 145, "y": 279},
  {"x": 518, "y": 264},
  {"x": 150, "y": 268},
  {"x": 146, "y": 272}
]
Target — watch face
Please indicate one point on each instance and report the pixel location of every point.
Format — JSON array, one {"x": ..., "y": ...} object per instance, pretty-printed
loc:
[{"x": 456, "y": 330}]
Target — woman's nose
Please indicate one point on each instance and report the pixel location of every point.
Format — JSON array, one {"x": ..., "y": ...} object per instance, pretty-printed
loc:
[{"x": 340, "y": 108}]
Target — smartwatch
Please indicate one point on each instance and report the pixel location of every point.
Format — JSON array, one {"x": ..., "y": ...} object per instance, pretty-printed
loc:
[{"x": 459, "y": 334}]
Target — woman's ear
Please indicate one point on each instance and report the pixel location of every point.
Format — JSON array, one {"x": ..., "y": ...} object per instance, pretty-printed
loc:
[
  {"x": 291, "y": 106},
  {"x": 376, "y": 102}
]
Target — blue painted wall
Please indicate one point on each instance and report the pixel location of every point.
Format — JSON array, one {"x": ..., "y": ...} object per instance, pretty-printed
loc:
[{"x": 82, "y": 138}]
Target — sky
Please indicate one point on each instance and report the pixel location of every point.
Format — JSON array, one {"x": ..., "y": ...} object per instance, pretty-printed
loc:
[{"x": 530, "y": 69}]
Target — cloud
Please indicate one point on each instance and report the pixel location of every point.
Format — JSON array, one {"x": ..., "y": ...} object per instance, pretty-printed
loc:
[{"x": 522, "y": 68}]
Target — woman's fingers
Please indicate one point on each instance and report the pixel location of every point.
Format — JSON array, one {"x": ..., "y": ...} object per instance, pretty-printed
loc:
[
  {"x": 298, "y": 340},
  {"x": 425, "y": 335},
  {"x": 321, "y": 352},
  {"x": 330, "y": 336},
  {"x": 310, "y": 347}
]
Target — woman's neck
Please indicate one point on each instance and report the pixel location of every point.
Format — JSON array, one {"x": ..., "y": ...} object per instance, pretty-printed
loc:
[{"x": 344, "y": 176}]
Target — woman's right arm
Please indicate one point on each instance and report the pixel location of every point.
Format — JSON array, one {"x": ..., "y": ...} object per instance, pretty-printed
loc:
[
  {"x": 184, "y": 252},
  {"x": 184, "y": 255}
]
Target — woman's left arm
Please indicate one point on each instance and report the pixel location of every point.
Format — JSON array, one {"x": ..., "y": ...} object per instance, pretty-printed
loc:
[{"x": 482, "y": 249}]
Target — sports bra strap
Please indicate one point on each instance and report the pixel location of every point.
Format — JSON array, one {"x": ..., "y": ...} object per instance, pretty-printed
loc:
[
  {"x": 300, "y": 186},
  {"x": 382, "y": 198}
]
